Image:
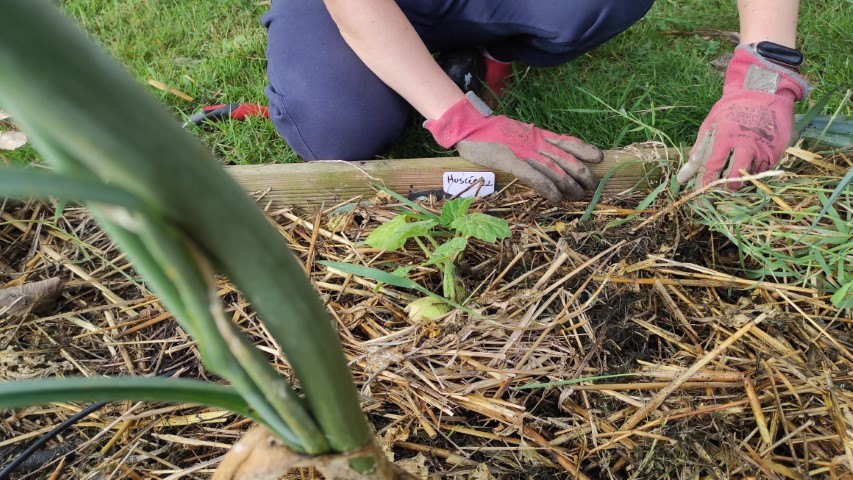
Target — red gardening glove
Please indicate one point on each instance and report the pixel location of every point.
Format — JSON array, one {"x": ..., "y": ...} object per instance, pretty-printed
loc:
[
  {"x": 547, "y": 162},
  {"x": 751, "y": 125}
]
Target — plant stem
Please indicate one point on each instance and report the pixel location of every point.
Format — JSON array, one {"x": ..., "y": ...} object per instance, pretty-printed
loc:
[{"x": 61, "y": 87}]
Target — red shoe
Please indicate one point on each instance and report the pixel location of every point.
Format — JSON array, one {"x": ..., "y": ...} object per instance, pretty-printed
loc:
[
  {"x": 498, "y": 77},
  {"x": 475, "y": 72}
]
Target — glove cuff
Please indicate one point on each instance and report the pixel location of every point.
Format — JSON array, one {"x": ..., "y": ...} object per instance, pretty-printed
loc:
[
  {"x": 750, "y": 71},
  {"x": 464, "y": 117}
]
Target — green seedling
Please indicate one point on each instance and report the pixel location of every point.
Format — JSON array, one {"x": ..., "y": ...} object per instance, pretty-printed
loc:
[{"x": 442, "y": 238}]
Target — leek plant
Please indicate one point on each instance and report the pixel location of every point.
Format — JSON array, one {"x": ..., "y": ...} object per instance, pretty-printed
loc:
[{"x": 168, "y": 203}]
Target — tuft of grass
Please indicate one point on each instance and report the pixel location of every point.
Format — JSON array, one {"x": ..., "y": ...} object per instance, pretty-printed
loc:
[
  {"x": 643, "y": 82},
  {"x": 795, "y": 230}
]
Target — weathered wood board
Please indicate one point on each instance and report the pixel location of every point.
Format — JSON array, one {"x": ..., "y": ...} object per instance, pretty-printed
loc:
[{"x": 331, "y": 182}]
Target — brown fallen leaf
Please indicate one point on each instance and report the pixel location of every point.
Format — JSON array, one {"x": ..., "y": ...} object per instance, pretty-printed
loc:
[
  {"x": 12, "y": 140},
  {"x": 174, "y": 91},
  {"x": 20, "y": 300},
  {"x": 259, "y": 455}
]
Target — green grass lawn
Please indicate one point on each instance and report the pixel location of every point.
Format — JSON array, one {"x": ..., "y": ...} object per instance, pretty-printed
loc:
[{"x": 657, "y": 83}]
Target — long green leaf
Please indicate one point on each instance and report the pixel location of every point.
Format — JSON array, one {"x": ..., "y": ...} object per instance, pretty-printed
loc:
[
  {"x": 391, "y": 279},
  {"x": 17, "y": 182},
  {"x": 62, "y": 89},
  {"x": 651, "y": 197},
  {"x": 839, "y": 190},
  {"x": 224, "y": 348},
  {"x": 806, "y": 120},
  {"x": 23, "y": 393},
  {"x": 596, "y": 197},
  {"x": 405, "y": 201}
]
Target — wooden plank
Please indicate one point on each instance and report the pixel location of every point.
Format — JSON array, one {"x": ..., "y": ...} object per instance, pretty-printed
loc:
[{"x": 331, "y": 182}]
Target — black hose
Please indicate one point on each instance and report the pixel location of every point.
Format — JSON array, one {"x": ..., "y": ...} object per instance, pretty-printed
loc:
[{"x": 23, "y": 456}]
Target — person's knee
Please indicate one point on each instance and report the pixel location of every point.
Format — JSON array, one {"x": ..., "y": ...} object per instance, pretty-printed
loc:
[
  {"x": 601, "y": 20},
  {"x": 569, "y": 31},
  {"x": 329, "y": 132}
]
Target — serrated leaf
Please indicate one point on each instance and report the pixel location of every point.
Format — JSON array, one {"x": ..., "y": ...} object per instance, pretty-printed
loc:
[
  {"x": 447, "y": 251},
  {"x": 481, "y": 226},
  {"x": 454, "y": 209},
  {"x": 393, "y": 234},
  {"x": 403, "y": 271}
]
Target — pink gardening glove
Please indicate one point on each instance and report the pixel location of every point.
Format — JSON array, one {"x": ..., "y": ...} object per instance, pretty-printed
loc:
[
  {"x": 547, "y": 162},
  {"x": 751, "y": 125}
]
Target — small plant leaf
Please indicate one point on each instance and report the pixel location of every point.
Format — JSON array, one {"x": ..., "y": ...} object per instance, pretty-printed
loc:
[
  {"x": 447, "y": 251},
  {"x": 481, "y": 226},
  {"x": 843, "y": 298},
  {"x": 403, "y": 270},
  {"x": 454, "y": 209},
  {"x": 393, "y": 234}
]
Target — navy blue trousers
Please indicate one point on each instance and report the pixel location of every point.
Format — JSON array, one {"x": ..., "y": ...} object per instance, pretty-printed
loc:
[{"x": 328, "y": 105}]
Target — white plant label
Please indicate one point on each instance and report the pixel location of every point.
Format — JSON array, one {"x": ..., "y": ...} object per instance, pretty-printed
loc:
[{"x": 469, "y": 184}]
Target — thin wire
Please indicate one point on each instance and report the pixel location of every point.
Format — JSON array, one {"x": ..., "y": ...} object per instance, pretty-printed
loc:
[
  {"x": 8, "y": 469},
  {"x": 20, "y": 459}
]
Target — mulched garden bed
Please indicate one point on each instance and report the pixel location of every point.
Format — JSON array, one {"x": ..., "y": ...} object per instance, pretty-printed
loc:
[{"x": 707, "y": 373}]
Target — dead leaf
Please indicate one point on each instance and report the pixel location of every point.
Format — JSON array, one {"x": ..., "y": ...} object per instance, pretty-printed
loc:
[
  {"x": 482, "y": 472},
  {"x": 174, "y": 91},
  {"x": 31, "y": 364},
  {"x": 415, "y": 465},
  {"x": 12, "y": 140},
  {"x": 4, "y": 115},
  {"x": 17, "y": 301},
  {"x": 396, "y": 434},
  {"x": 259, "y": 455}
]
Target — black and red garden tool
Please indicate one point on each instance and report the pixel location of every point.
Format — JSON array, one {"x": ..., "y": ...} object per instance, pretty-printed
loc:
[{"x": 234, "y": 111}]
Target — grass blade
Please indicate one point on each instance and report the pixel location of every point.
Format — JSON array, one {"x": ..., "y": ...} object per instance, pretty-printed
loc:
[
  {"x": 840, "y": 189},
  {"x": 596, "y": 197},
  {"x": 414, "y": 206},
  {"x": 807, "y": 118},
  {"x": 391, "y": 279}
]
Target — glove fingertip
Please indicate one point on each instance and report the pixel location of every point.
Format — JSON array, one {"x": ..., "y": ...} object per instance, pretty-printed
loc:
[{"x": 579, "y": 149}]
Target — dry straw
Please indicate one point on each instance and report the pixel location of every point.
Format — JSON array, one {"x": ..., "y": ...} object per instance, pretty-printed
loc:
[{"x": 655, "y": 357}]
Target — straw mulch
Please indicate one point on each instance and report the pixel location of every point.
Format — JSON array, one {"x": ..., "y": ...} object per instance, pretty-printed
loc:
[{"x": 727, "y": 377}]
